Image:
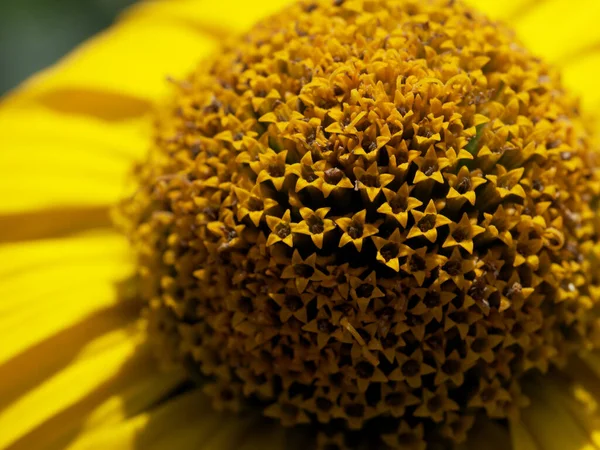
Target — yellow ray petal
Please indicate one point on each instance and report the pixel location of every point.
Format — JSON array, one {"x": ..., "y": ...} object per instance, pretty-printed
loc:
[
  {"x": 505, "y": 9},
  {"x": 187, "y": 423},
  {"x": 554, "y": 29},
  {"x": 70, "y": 134},
  {"x": 557, "y": 419},
  {"x": 36, "y": 364},
  {"x": 554, "y": 428},
  {"x": 111, "y": 379},
  {"x": 47, "y": 286},
  {"x": 581, "y": 75},
  {"x": 52, "y": 222},
  {"x": 486, "y": 435},
  {"x": 141, "y": 392},
  {"x": 99, "y": 361},
  {"x": 215, "y": 18},
  {"x": 121, "y": 72},
  {"x": 558, "y": 29},
  {"x": 561, "y": 32},
  {"x": 51, "y": 159},
  {"x": 521, "y": 437}
]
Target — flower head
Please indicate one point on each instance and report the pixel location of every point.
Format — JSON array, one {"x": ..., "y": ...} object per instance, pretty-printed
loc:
[
  {"x": 370, "y": 161},
  {"x": 374, "y": 216}
]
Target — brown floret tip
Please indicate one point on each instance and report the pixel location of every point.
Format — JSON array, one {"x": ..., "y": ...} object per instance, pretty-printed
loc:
[{"x": 370, "y": 212}]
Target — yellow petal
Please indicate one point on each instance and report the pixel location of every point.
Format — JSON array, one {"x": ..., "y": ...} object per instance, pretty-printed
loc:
[
  {"x": 187, "y": 422},
  {"x": 53, "y": 222},
  {"x": 554, "y": 428},
  {"x": 504, "y": 9},
  {"x": 552, "y": 29},
  {"x": 48, "y": 286},
  {"x": 558, "y": 29},
  {"x": 54, "y": 160},
  {"x": 488, "y": 435},
  {"x": 558, "y": 418},
  {"x": 521, "y": 437},
  {"x": 95, "y": 366},
  {"x": 71, "y": 133},
  {"x": 121, "y": 72},
  {"x": 581, "y": 76},
  {"x": 219, "y": 19},
  {"x": 110, "y": 380}
]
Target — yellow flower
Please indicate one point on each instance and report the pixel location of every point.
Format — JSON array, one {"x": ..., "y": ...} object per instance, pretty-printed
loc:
[{"x": 76, "y": 371}]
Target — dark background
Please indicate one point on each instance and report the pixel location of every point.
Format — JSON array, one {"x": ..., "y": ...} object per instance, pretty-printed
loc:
[{"x": 35, "y": 33}]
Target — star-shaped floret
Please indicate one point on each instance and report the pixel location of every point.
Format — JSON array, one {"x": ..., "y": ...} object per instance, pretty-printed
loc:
[
  {"x": 287, "y": 410},
  {"x": 492, "y": 397},
  {"x": 396, "y": 397},
  {"x": 370, "y": 182},
  {"x": 456, "y": 267},
  {"x": 432, "y": 300},
  {"x": 364, "y": 374},
  {"x": 323, "y": 404},
  {"x": 314, "y": 224},
  {"x": 461, "y": 319},
  {"x": 527, "y": 251},
  {"x": 334, "y": 180},
  {"x": 490, "y": 265},
  {"x": 411, "y": 369},
  {"x": 306, "y": 172},
  {"x": 281, "y": 115},
  {"x": 506, "y": 183},
  {"x": 322, "y": 326},
  {"x": 500, "y": 224},
  {"x": 399, "y": 204},
  {"x": 256, "y": 382},
  {"x": 436, "y": 404},
  {"x": 430, "y": 167},
  {"x": 334, "y": 442},
  {"x": 420, "y": 263},
  {"x": 401, "y": 159},
  {"x": 539, "y": 354},
  {"x": 541, "y": 181},
  {"x": 390, "y": 250},
  {"x": 356, "y": 229},
  {"x": 270, "y": 167},
  {"x": 292, "y": 305},
  {"x": 502, "y": 363},
  {"x": 453, "y": 368},
  {"x": 281, "y": 229},
  {"x": 483, "y": 344},
  {"x": 427, "y": 222},
  {"x": 406, "y": 437},
  {"x": 225, "y": 396},
  {"x": 427, "y": 131},
  {"x": 301, "y": 271},
  {"x": 369, "y": 146},
  {"x": 228, "y": 231},
  {"x": 462, "y": 233},
  {"x": 463, "y": 186},
  {"x": 364, "y": 290},
  {"x": 356, "y": 410},
  {"x": 456, "y": 426},
  {"x": 252, "y": 204}
]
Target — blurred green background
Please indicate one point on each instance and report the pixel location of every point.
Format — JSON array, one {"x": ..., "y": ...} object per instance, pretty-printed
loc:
[{"x": 35, "y": 33}]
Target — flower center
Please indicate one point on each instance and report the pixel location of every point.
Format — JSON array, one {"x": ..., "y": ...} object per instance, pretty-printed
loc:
[{"x": 477, "y": 230}]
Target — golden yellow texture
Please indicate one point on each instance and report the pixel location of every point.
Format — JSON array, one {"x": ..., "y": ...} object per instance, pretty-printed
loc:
[
  {"x": 370, "y": 214},
  {"x": 75, "y": 370}
]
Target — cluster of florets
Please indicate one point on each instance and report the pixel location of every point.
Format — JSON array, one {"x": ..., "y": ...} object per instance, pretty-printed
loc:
[{"x": 370, "y": 209}]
